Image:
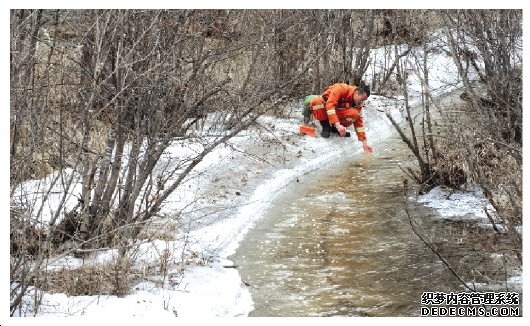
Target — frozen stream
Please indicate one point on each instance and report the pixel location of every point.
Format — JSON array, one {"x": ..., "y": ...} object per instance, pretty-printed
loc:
[{"x": 339, "y": 242}]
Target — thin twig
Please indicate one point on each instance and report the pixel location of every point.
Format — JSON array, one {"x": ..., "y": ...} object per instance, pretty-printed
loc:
[{"x": 431, "y": 246}]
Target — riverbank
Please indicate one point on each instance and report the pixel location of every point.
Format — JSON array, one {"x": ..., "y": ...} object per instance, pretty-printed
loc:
[
  {"x": 204, "y": 220},
  {"x": 221, "y": 200}
]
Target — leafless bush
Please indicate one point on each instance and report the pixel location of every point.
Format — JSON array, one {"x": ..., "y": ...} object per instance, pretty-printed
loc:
[
  {"x": 104, "y": 93},
  {"x": 474, "y": 137},
  {"x": 488, "y": 44},
  {"x": 114, "y": 278}
]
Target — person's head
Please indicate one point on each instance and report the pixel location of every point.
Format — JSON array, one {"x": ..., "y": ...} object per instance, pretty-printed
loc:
[{"x": 361, "y": 94}]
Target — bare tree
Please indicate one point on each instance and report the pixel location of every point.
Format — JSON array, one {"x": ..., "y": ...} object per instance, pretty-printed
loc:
[
  {"x": 119, "y": 87},
  {"x": 456, "y": 142},
  {"x": 488, "y": 44}
]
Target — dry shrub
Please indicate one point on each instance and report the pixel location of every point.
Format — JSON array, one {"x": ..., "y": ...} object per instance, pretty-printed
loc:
[
  {"x": 504, "y": 180},
  {"x": 29, "y": 238},
  {"x": 165, "y": 232},
  {"x": 390, "y": 88},
  {"x": 115, "y": 278},
  {"x": 66, "y": 229},
  {"x": 494, "y": 165},
  {"x": 50, "y": 137},
  {"x": 26, "y": 238},
  {"x": 55, "y": 153},
  {"x": 451, "y": 169}
]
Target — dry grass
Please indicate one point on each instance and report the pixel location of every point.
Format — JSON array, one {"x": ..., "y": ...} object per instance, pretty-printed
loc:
[
  {"x": 159, "y": 231},
  {"x": 49, "y": 137},
  {"x": 115, "y": 278},
  {"x": 478, "y": 157}
]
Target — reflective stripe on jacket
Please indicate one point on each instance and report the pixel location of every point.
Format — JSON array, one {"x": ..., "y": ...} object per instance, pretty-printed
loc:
[{"x": 339, "y": 97}]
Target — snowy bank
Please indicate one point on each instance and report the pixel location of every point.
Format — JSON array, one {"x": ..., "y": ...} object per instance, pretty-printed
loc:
[
  {"x": 469, "y": 203},
  {"x": 219, "y": 202},
  {"x": 205, "y": 219}
]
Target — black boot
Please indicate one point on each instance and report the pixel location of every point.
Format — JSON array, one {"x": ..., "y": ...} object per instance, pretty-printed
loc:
[
  {"x": 326, "y": 128},
  {"x": 335, "y": 131}
]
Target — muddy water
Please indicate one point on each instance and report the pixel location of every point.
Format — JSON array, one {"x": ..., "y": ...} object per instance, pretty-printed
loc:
[{"x": 338, "y": 242}]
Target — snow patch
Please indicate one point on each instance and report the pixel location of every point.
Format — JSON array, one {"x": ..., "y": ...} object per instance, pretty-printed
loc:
[{"x": 459, "y": 204}]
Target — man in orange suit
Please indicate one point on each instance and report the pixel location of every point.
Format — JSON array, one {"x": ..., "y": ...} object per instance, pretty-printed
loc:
[{"x": 339, "y": 107}]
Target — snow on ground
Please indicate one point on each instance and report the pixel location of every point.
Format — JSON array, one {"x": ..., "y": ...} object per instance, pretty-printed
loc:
[
  {"x": 219, "y": 202},
  {"x": 34, "y": 194},
  {"x": 208, "y": 287},
  {"x": 469, "y": 203},
  {"x": 441, "y": 67}
]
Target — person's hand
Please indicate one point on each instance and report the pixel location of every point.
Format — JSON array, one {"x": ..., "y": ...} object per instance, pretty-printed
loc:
[
  {"x": 367, "y": 148},
  {"x": 341, "y": 129}
]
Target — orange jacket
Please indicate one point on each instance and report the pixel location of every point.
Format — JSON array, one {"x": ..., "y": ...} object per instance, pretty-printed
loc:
[{"x": 340, "y": 97}]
